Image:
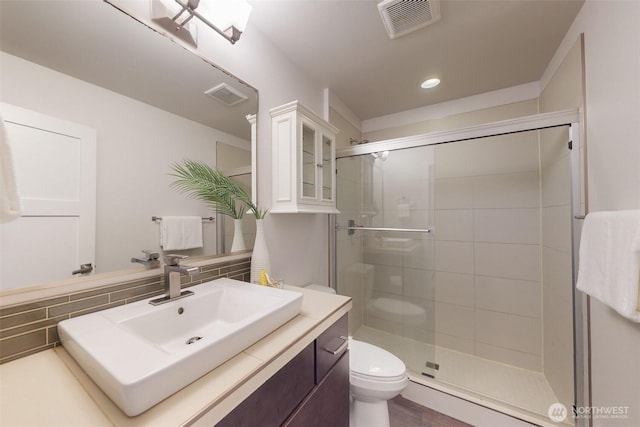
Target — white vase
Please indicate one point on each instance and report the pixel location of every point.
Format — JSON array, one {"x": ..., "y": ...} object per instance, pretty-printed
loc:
[
  {"x": 260, "y": 260},
  {"x": 238, "y": 237}
]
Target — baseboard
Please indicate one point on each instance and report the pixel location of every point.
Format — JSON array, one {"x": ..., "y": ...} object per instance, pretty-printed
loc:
[{"x": 468, "y": 411}]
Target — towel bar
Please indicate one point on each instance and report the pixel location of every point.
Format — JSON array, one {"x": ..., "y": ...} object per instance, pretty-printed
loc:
[{"x": 204, "y": 218}]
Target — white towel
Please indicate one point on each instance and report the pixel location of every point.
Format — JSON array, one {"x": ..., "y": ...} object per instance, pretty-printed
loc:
[
  {"x": 180, "y": 232},
  {"x": 10, "y": 203},
  {"x": 609, "y": 267}
]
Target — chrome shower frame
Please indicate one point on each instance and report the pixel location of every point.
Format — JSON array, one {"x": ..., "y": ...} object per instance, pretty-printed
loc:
[{"x": 579, "y": 206}]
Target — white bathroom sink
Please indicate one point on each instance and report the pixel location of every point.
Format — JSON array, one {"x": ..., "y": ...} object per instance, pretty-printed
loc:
[{"x": 139, "y": 354}]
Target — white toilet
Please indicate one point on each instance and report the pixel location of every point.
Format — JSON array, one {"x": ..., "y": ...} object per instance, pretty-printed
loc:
[{"x": 375, "y": 376}]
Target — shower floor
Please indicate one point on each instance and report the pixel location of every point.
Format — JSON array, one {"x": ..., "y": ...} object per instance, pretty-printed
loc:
[{"x": 502, "y": 383}]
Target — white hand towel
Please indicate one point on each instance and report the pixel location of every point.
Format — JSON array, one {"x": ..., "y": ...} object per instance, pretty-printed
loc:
[
  {"x": 609, "y": 267},
  {"x": 10, "y": 203},
  {"x": 180, "y": 232}
]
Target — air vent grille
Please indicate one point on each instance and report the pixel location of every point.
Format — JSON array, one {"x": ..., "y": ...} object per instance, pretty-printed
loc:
[
  {"x": 226, "y": 94},
  {"x": 401, "y": 17}
]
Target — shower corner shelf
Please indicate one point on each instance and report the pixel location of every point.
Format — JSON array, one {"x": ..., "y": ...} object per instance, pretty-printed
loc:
[{"x": 304, "y": 161}]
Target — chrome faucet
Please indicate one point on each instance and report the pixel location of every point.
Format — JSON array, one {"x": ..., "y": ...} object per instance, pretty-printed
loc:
[
  {"x": 173, "y": 271},
  {"x": 149, "y": 260}
]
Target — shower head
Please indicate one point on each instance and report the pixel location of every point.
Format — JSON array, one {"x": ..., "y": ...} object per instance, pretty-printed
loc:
[{"x": 381, "y": 155}]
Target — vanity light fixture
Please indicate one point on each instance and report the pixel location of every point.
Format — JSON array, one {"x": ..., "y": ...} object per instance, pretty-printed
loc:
[
  {"x": 429, "y": 83},
  {"x": 226, "y": 17}
]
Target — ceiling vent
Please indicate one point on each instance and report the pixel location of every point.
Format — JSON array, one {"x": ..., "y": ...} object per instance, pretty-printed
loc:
[
  {"x": 226, "y": 94},
  {"x": 402, "y": 17}
]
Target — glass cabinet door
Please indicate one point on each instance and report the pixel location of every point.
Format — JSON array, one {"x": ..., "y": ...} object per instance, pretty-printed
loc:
[
  {"x": 327, "y": 168},
  {"x": 308, "y": 161}
]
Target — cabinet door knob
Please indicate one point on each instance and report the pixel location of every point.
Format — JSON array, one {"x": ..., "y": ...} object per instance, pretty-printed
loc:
[{"x": 320, "y": 165}]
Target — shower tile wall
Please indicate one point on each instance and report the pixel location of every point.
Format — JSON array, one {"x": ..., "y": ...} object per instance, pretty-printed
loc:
[{"x": 487, "y": 250}]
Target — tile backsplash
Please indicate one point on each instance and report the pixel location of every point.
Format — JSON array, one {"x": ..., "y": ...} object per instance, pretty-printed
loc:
[{"x": 32, "y": 327}]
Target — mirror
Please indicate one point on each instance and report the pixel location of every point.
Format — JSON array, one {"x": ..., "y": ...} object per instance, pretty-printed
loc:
[
  {"x": 235, "y": 161},
  {"x": 90, "y": 64}
]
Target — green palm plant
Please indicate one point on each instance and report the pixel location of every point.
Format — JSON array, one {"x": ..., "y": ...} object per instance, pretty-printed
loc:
[{"x": 201, "y": 181}]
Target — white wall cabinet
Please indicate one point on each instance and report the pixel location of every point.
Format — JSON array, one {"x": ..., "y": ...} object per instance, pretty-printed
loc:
[{"x": 304, "y": 161}]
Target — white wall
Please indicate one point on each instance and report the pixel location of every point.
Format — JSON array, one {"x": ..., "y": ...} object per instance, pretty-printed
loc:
[
  {"x": 298, "y": 244},
  {"x": 483, "y": 108},
  {"x": 136, "y": 146},
  {"x": 346, "y": 130},
  {"x": 612, "y": 43}
]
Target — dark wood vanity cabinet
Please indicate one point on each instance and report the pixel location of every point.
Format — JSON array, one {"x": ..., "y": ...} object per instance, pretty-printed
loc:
[
  {"x": 311, "y": 390},
  {"x": 328, "y": 403}
]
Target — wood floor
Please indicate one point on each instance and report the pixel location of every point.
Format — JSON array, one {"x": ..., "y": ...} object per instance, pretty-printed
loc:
[{"x": 405, "y": 413}]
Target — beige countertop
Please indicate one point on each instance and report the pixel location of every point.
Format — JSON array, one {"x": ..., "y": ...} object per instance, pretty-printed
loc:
[{"x": 50, "y": 389}]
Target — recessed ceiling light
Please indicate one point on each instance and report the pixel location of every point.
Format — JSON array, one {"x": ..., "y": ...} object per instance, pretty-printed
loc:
[{"x": 429, "y": 83}]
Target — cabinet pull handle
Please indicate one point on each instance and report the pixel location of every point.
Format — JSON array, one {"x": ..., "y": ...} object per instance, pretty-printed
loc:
[
  {"x": 319, "y": 165},
  {"x": 341, "y": 347}
]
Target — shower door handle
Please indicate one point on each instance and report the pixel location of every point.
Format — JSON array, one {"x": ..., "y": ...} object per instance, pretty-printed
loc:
[{"x": 341, "y": 347}]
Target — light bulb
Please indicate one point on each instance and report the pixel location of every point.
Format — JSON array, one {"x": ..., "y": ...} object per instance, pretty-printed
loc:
[{"x": 429, "y": 83}]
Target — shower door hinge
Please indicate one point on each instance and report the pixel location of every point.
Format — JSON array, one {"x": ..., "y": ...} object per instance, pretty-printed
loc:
[{"x": 570, "y": 145}]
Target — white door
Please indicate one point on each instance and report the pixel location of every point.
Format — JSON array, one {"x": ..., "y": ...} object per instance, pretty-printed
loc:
[{"x": 55, "y": 165}]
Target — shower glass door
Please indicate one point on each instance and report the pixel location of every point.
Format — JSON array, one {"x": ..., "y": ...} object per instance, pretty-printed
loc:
[
  {"x": 385, "y": 259},
  {"x": 458, "y": 258}
]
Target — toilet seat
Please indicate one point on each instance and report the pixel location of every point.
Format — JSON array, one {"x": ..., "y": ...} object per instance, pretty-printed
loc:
[
  {"x": 364, "y": 377},
  {"x": 369, "y": 362}
]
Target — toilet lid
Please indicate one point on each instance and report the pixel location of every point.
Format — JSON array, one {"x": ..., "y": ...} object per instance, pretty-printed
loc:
[{"x": 369, "y": 360}]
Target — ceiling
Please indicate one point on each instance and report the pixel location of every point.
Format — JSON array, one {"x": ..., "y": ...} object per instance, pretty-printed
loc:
[{"x": 477, "y": 46}]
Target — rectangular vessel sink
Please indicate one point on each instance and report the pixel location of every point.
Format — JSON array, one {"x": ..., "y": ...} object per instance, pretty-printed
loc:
[{"x": 139, "y": 354}]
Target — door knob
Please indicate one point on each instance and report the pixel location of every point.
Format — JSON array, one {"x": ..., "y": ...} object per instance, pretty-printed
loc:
[{"x": 84, "y": 269}]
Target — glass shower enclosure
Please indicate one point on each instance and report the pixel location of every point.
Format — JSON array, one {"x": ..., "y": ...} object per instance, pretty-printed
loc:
[{"x": 458, "y": 257}]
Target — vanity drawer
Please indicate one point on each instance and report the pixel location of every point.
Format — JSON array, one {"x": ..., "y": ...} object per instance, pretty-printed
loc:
[
  {"x": 330, "y": 346},
  {"x": 278, "y": 397},
  {"x": 328, "y": 403}
]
